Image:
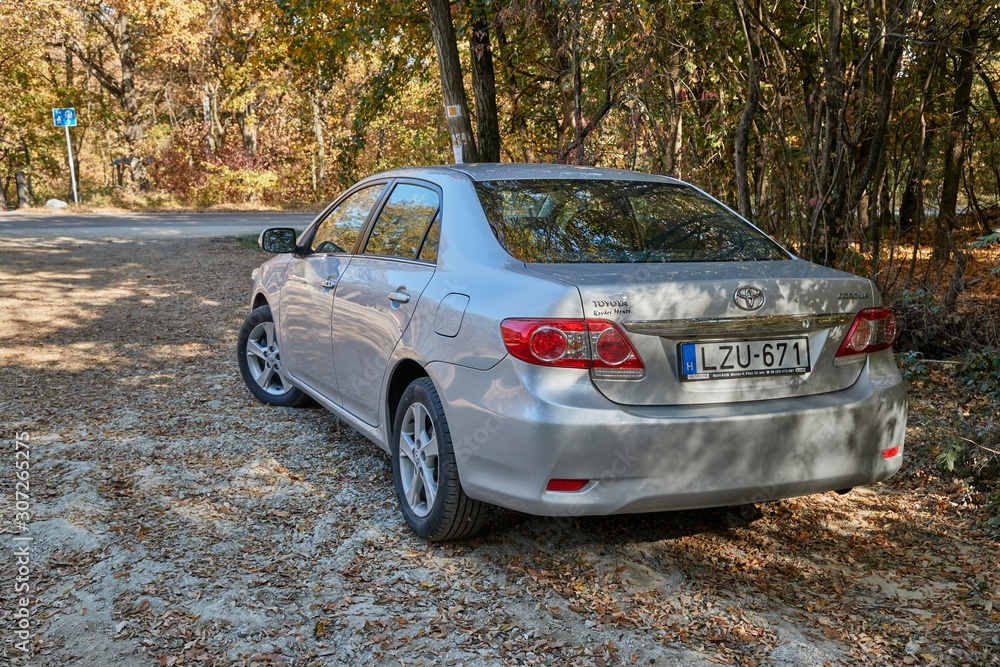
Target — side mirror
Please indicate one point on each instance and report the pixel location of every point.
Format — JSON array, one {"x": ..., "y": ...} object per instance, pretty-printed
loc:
[{"x": 277, "y": 239}]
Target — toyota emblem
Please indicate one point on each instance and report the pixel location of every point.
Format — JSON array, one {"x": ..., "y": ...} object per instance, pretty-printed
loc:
[{"x": 749, "y": 298}]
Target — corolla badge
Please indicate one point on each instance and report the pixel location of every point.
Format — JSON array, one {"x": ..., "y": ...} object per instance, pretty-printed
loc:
[{"x": 748, "y": 297}]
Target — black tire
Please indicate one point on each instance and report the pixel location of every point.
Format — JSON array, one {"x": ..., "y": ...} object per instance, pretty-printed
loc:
[
  {"x": 260, "y": 362},
  {"x": 422, "y": 457}
]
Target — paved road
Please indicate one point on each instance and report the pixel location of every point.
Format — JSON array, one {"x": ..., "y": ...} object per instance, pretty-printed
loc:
[{"x": 43, "y": 224}]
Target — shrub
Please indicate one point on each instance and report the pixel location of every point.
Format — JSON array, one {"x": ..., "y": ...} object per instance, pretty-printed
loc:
[
  {"x": 980, "y": 371},
  {"x": 974, "y": 451},
  {"x": 911, "y": 365},
  {"x": 227, "y": 185}
]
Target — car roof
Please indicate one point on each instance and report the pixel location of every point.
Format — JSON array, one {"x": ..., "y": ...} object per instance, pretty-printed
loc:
[{"x": 502, "y": 171}]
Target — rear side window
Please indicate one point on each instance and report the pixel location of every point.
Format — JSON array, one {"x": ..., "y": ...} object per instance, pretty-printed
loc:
[
  {"x": 402, "y": 225},
  {"x": 429, "y": 251},
  {"x": 577, "y": 221}
]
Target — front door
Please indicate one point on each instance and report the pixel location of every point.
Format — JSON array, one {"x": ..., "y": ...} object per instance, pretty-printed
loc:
[{"x": 306, "y": 305}]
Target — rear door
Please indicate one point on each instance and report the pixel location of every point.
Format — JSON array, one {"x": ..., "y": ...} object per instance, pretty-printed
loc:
[
  {"x": 306, "y": 305},
  {"x": 378, "y": 292}
]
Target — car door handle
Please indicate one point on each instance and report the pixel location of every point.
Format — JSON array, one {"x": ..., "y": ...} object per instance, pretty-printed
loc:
[
  {"x": 328, "y": 284},
  {"x": 399, "y": 297}
]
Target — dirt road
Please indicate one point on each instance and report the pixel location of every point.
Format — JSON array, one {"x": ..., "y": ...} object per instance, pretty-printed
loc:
[{"x": 175, "y": 521}]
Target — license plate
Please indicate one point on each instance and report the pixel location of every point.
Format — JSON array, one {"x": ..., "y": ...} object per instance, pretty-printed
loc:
[{"x": 739, "y": 359}]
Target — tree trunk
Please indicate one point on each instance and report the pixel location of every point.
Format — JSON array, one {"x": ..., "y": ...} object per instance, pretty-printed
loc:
[
  {"x": 206, "y": 115},
  {"x": 484, "y": 87},
  {"x": 885, "y": 221},
  {"x": 674, "y": 113},
  {"x": 873, "y": 90},
  {"x": 514, "y": 97},
  {"x": 247, "y": 122},
  {"x": 318, "y": 133},
  {"x": 995, "y": 99},
  {"x": 27, "y": 171},
  {"x": 24, "y": 198},
  {"x": 829, "y": 182},
  {"x": 677, "y": 143},
  {"x": 70, "y": 71},
  {"x": 911, "y": 207},
  {"x": 578, "y": 135},
  {"x": 134, "y": 130},
  {"x": 751, "y": 30},
  {"x": 886, "y": 71},
  {"x": 954, "y": 152},
  {"x": 566, "y": 79},
  {"x": 452, "y": 89},
  {"x": 991, "y": 89}
]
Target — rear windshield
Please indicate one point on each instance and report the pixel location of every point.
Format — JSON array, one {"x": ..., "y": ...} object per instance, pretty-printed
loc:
[{"x": 575, "y": 221}]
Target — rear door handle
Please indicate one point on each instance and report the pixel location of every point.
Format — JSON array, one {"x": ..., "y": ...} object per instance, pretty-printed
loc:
[
  {"x": 399, "y": 297},
  {"x": 328, "y": 284}
]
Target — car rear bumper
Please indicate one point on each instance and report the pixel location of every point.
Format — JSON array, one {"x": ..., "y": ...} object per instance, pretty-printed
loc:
[{"x": 516, "y": 426}]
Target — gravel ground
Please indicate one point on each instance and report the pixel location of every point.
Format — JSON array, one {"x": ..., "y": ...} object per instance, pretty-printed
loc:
[{"x": 176, "y": 521}]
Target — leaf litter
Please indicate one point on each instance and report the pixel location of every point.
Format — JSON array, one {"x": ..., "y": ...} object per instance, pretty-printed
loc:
[{"x": 178, "y": 522}]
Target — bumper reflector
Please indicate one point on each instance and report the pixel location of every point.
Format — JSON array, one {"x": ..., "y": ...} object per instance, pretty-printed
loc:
[
  {"x": 889, "y": 453},
  {"x": 566, "y": 484}
]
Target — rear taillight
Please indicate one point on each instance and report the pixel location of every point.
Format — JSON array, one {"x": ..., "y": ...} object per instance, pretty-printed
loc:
[
  {"x": 598, "y": 345},
  {"x": 873, "y": 329}
]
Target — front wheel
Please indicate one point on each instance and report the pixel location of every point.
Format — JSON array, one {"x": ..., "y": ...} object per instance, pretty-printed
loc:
[
  {"x": 260, "y": 362},
  {"x": 424, "y": 470}
]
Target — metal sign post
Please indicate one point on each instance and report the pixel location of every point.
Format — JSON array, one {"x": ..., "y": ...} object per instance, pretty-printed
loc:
[{"x": 66, "y": 117}]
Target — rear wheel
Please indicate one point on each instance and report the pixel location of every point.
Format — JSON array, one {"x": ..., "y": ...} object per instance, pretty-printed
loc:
[
  {"x": 424, "y": 470},
  {"x": 260, "y": 361}
]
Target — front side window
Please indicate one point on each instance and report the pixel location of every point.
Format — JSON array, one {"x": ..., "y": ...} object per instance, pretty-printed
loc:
[
  {"x": 577, "y": 221},
  {"x": 402, "y": 226},
  {"x": 339, "y": 230}
]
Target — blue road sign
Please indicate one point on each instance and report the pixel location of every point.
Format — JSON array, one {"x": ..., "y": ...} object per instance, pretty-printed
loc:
[{"x": 65, "y": 117}]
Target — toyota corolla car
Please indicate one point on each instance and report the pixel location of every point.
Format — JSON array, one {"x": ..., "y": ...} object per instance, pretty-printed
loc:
[{"x": 573, "y": 341}]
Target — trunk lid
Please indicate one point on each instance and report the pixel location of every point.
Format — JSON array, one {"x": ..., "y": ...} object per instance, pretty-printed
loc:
[{"x": 688, "y": 312}]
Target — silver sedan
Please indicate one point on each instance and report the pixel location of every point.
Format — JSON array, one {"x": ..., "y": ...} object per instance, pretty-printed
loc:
[{"x": 573, "y": 341}]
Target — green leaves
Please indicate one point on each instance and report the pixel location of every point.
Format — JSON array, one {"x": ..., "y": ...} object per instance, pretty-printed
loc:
[
  {"x": 987, "y": 240},
  {"x": 980, "y": 371}
]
